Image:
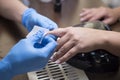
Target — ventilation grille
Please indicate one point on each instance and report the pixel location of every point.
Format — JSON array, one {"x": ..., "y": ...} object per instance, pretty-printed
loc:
[{"x": 55, "y": 71}]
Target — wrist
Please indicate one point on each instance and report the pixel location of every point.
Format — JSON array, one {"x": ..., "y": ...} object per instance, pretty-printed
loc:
[
  {"x": 117, "y": 12},
  {"x": 26, "y": 14},
  {"x": 19, "y": 17},
  {"x": 103, "y": 40},
  {"x": 112, "y": 42},
  {"x": 5, "y": 73},
  {"x": 107, "y": 40}
]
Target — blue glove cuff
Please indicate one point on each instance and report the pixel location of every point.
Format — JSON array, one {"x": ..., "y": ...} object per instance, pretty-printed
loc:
[
  {"x": 5, "y": 73},
  {"x": 26, "y": 14}
]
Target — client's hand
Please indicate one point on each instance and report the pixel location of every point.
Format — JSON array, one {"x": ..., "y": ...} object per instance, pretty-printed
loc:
[{"x": 75, "y": 40}]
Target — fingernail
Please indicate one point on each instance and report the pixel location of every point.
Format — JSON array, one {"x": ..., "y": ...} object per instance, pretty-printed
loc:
[
  {"x": 81, "y": 14},
  {"x": 58, "y": 61},
  {"x": 53, "y": 60},
  {"x": 51, "y": 57},
  {"x": 82, "y": 19}
]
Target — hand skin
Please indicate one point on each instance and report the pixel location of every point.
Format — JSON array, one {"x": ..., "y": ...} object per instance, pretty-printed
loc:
[
  {"x": 12, "y": 9},
  {"x": 106, "y": 15},
  {"x": 75, "y": 40}
]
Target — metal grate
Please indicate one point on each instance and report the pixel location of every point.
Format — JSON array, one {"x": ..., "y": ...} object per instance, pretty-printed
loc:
[{"x": 55, "y": 71}]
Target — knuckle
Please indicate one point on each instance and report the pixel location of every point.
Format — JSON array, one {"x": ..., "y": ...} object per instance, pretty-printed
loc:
[
  {"x": 72, "y": 53},
  {"x": 69, "y": 28},
  {"x": 62, "y": 50},
  {"x": 70, "y": 33},
  {"x": 75, "y": 39},
  {"x": 80, "y": 47}
]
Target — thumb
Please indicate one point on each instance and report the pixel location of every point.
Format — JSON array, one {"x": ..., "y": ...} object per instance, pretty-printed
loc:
[
  {"x": 107, "y": 21},
  {"x": 49, "y": 45}
]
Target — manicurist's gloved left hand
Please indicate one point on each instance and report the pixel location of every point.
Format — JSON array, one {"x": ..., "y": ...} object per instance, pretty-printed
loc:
[
  {"x": 30, "y": 18},
  {"x": 25, "y": 57}
]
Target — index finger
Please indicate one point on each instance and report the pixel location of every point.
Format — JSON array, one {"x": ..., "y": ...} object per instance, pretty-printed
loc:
[{"x": 58, "y": 32}]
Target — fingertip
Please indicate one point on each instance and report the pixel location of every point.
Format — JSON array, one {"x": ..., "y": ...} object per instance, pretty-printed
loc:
[
  {"x": 61, "y": 60},
  {"x": 81, "y": 14},
  {"x": 58, "y": 62},
  {"x": 50, "y": 32},
  {"x": 93, "y": 19},
  {"x": 53, "y": 58},
  {"x": 84, "y": 9},
  {"x": 82, "y": 19},
  {"x": 107, "y": 21}
]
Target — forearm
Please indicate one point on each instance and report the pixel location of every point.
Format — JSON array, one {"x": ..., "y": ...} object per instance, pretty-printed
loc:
[
  {"x": 112, "y": 42},
  {"x": 12, "y": 9}
]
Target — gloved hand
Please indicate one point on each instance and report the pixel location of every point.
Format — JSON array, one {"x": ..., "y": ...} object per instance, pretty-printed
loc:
[
  {"x": 30, "y": 18},
  {"x": 25, "y": 56}
]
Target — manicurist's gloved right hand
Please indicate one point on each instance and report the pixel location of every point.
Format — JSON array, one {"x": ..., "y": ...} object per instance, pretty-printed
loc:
[{"x": 25, "y": 56}]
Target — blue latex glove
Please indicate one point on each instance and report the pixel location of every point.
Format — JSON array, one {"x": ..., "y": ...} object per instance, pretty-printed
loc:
[
  {"x": 25, "y": 56},
  {"x": 31, "y": 17}
]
